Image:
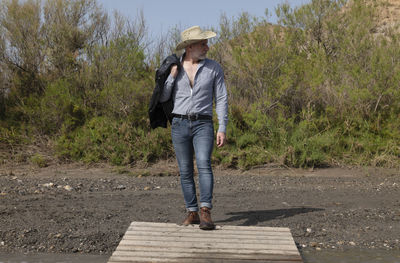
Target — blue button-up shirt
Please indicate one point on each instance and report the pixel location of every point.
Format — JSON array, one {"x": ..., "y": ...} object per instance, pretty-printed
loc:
[{"x": 208, "y": 84}]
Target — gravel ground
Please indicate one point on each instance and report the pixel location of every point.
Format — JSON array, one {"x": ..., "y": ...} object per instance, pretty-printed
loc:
[{"x": 77, "y": 209}]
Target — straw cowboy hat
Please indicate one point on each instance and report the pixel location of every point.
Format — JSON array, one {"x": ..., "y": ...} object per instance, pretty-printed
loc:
[{"x": 193, "y": 35}]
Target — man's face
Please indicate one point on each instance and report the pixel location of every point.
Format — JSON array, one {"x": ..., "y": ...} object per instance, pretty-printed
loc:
[{"x": 200, "y": 49}]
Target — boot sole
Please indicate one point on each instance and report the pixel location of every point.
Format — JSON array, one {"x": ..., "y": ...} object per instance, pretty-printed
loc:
[
  {"x": 192, "y": 223},
  {"x": 205, "y": 227}
]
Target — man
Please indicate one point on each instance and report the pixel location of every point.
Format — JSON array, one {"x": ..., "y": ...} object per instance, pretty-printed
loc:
[{"x": 193, "y": 85}]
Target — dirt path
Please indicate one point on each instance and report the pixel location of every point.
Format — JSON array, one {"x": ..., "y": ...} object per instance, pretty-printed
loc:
[{"x": 71, "y": 208}]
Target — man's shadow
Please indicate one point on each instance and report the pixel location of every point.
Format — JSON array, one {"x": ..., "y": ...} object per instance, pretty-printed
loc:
[{"x": 254, "y": 217}]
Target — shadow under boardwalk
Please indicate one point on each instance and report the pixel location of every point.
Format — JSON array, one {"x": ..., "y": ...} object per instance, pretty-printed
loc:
[{"x": 167, "y": 242}]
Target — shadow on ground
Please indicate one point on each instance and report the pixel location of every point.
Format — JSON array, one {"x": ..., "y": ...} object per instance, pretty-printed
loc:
[{"x": 259, "y": 216}]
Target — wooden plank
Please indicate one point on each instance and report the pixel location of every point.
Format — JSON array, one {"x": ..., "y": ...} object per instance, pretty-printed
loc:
[
  {"x": 196, "y": 260},
  {"x": 191, "y": 227},
  {"x": 166, "y": 242},
  {"x": 172, "y": 225},
  {"x": 210, "y": 250},
  {"x": 205, "y": 255},
  {"x": 188, "y": 229},
  {"x": 209, "y": 244},
  {"x": 211, "y": 234},
  {"x": 195, "y": 238},
  {"x": 207, "y": 234},
  {"x": 247, "y": 228}
]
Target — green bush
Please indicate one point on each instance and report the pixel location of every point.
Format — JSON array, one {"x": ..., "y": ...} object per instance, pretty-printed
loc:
[
  {"x": 318, "y": 89},
  {"x": 38, "y": 160},
  {"x": 117, "y": 142}
]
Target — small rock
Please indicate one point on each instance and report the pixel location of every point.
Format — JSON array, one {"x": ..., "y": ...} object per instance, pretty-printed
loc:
[
  {"x": 352, "y": 243},
  {"x": 158, "y": 187},
  {"x": 68, "y": 188},
  {"x": 318, "y": 248},
  {"x": 314, "y": 244},
  {"x": 120, "y": 187},
  {"x": 48, "y": 185},
  {"x": 2, "y": 243},
  {"x": 146, "y": 188},
  {"x": 309, "y": 230}
]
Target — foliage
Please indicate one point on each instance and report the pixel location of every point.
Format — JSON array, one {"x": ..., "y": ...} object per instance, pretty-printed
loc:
[
  {"x": 117, "y": 142},
  {"x": 318, "y": 89},
  {"x": 38, "y": 160},
  {"x": 323, "y": 88}
]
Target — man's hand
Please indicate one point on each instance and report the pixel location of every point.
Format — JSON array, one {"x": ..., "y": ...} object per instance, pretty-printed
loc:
[
  {"x": 221, "y": 139},
  {"x": 174, "y": 71}
]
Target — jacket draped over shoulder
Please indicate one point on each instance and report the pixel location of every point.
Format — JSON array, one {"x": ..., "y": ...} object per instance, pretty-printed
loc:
[{"x": 161, "y": 113}]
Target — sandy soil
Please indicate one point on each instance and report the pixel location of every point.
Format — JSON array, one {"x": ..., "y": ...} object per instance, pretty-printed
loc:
[{"x": 73, "y": 208}]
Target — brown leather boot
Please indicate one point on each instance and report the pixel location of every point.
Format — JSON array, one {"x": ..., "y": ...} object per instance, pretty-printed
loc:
[
  {"x": 205, "y": 219},
  {"x": 192, "y": 218}
]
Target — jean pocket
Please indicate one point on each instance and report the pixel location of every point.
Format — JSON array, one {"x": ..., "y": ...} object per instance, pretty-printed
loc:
[{"x": 175, "y": 122}]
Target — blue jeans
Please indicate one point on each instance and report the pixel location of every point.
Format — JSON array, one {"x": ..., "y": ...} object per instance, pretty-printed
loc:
[{"x": 194, "y": 137}]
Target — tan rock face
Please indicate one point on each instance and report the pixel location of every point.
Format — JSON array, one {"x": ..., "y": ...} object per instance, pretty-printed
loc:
[{"x": 388, "y": 15}]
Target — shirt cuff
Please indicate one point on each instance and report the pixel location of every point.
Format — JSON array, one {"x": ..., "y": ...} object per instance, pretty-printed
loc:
[{"x": 222, "y": 128}]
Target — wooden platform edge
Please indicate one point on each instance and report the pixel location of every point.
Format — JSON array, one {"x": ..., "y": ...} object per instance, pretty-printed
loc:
[{"x": 169, "y": 242}]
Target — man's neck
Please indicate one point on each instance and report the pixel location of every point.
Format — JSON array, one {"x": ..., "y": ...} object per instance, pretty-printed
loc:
[{"x": 190, "y": 59}]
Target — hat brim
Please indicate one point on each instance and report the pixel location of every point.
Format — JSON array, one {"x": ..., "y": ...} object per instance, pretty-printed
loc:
[{"x": 203, "y": 36}]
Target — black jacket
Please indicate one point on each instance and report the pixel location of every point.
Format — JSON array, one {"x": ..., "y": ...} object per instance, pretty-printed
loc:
[{"x": 160, "y": 113}]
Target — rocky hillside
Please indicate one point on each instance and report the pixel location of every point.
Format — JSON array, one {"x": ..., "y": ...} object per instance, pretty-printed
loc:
[{"x": 388, "y": 16}]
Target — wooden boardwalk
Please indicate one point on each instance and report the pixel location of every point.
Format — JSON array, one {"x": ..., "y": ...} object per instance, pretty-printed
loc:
[{"x": 165, "y": 242}]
